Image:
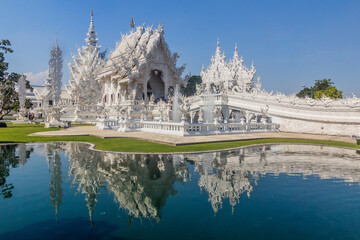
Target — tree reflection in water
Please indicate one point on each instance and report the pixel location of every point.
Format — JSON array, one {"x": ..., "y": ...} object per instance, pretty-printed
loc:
[{"x": 9, "y": 158}]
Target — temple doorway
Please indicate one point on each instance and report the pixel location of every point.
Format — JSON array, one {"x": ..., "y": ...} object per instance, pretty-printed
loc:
[{"x": 156, "y": 85}]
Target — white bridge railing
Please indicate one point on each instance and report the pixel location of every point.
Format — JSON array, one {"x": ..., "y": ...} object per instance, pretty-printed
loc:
[{"x": 184, "y": 128}]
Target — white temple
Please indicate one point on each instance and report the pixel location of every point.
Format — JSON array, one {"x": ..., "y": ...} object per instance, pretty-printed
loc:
[{"x": 137, "y": 88}]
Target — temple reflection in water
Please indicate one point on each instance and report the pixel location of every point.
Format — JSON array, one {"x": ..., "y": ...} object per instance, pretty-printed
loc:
[{"x": 140, "y": 184}]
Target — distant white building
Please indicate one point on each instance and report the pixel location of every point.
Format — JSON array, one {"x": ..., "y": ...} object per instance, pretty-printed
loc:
[{"x": 37, "y": 102}]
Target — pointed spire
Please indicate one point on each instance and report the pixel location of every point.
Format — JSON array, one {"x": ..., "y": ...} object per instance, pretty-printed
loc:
[
  {"x": 218, "y": 49},
  {"x": 202, "y": 70},
  {"x": 218, "y": 54},
  {"x": 132, "y": 23},
  {"x": 161, "y": 28},
  {"x": 56, "y": 44},
  {"x": 91, "y": 39},
  {"x": 91, "y": 19},
  {"x": 53, "y": 81},
  {"x": 236, "y": 54},
  {"x": 258, "y": 84},
  {"x": 252, "y": 70}
]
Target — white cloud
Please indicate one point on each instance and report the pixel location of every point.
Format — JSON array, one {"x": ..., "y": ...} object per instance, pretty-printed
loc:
[{"x": 36, "y": 78}]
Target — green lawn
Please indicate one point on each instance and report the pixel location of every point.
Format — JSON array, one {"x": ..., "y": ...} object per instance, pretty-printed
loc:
[{"x": 19, "y": 133}]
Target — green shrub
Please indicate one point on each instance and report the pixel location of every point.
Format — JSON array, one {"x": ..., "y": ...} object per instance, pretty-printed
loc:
[{"x": 3, "y": 125}]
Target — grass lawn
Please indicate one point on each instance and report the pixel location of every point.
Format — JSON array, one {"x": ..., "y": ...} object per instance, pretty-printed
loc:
[{"x": 15, "y": 133}]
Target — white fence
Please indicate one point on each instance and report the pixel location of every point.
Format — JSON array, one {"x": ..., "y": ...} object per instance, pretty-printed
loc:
[{"x": 185, "y": 129}]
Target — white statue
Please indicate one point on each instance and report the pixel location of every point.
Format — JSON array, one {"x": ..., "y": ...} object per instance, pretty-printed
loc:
[{"x": 22, "y": 97}]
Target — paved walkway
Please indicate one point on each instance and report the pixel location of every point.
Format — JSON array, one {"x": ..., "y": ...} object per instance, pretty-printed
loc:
[{"x": 177, "y": 140}]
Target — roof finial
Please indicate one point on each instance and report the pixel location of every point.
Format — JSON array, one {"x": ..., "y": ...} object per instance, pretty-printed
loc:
[
  {"x": 91, "y": 39},
  {"x": 218, "y": 49},
  {"x": 258, "y": 84},
  {"x": 132, "y": 23},
  {"x": 236, "y": 54},
  {"x": 91, "y": 19}
]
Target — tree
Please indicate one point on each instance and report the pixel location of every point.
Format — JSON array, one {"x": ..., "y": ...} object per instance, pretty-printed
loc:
[
  {"x": 320, "y": 89},
  {"x": 190, "y": 88},
  {"x": 28, "y": 105},
  {"x": 330, "y": 92},
  {"x": 9, "y": 99},
  {"x": 306, "y": 92}
]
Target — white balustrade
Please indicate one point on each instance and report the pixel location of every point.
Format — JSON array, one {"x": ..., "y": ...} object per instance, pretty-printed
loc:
[{"x": 184, "y": 129}]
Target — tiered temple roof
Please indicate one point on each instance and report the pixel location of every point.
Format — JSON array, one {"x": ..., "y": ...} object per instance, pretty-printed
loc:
[
  {"x": 133, "y": 52},
  {"x": 83, "y": 85},
  {"x": 221, "y": 71}
]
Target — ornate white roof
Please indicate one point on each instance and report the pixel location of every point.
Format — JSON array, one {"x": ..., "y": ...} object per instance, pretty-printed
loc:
[
  {"x": 84, "y": 88},
  {"x": 218, "y": 71},
  {"x": 132, "y": 53},
  {"x": 221, "y": 71},
  {"x": 241, "y": 74}
]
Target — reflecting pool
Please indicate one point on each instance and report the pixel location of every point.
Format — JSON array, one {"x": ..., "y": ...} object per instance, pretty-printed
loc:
[{"x": 66, "y": 191}]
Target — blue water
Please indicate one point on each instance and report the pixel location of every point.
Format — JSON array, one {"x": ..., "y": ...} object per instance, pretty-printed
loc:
[{"x": 66, "y": 191}]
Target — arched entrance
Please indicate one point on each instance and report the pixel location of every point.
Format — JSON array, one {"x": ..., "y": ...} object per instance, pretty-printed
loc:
[{"x": 155, "y": 84}]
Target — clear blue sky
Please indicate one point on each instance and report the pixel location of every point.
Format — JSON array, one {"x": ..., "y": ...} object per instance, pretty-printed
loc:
[{"x": 292, "y": 43}]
